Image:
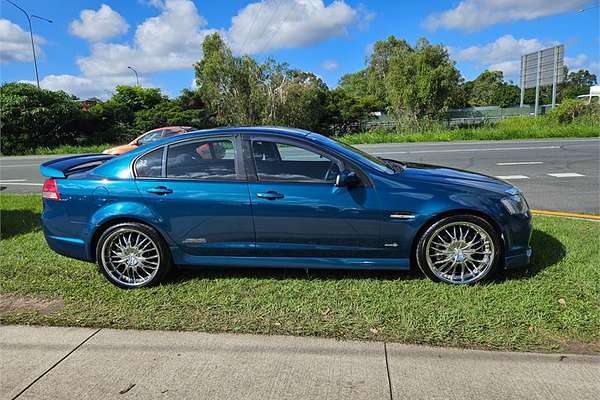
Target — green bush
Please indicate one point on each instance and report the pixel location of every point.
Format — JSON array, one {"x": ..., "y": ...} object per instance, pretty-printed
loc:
[
  {"x": 573, "y": 111},
  {"x": 30, "y": 117}
]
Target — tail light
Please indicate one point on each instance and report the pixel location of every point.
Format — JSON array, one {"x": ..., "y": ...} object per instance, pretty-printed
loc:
[{"x": 50, "y": 190}]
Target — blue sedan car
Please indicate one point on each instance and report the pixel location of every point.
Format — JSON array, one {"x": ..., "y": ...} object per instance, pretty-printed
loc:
[{"x": 277, "y": 197}]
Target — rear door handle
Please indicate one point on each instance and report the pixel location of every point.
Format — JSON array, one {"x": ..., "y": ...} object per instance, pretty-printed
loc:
[
  {"x": 270, "y": 195},
  {"x": 160, "y": 190}
]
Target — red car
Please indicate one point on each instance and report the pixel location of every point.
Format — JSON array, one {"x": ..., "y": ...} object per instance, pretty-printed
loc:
[{"x": 149, "y": 137}]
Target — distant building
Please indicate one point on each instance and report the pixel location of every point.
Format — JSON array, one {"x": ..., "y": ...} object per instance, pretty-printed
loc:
[
  {"x": 594, "y": 92},
  {"x": 87, "y": 104}
]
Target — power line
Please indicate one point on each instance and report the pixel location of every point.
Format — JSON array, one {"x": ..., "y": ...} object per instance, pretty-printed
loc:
[
  {"x": 293, "y": 8},
  {"x": 275, "y": 10}
]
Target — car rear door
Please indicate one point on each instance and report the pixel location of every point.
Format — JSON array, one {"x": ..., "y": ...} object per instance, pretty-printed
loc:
[
  {"x": 198, "y": 189},
  {"x": 299, "y": 212}
]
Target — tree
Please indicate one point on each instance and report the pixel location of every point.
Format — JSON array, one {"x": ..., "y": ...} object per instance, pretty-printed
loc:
[
  {"x": 117, "y": 116},
  {"x": 577, "y": 83},
  {"x": 422, "y": 82},
  {"x": 228, "y": 84},
  {"x": 490, "y": 89},
  {"x": 32, "y": 117}
]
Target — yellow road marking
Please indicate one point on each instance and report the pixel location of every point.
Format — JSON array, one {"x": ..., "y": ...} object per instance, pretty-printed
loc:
[{"x": 565, "y": 214}]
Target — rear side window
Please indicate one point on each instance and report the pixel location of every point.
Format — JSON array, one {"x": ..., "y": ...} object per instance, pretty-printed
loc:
[
  {"x": 150, "y": 164},
  {"x": 203, "y": 159}
]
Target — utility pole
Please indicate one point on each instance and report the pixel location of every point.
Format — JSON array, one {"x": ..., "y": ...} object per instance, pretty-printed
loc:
[
  {"x": 29, "y": 16},
  {"x": 137, "y": 79}
]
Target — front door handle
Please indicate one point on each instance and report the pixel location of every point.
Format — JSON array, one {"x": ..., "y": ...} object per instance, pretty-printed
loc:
[
  {"x": 159, "y": 190},
  {"x": 270, "y": 195}
]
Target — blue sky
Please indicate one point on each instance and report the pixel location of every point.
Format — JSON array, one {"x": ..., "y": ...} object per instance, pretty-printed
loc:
[{"x": 87, "y": 49}]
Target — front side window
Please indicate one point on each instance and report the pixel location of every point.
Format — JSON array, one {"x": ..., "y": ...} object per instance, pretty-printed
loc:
[
  {"x": 276, "y": 161},
  {"x": 150, "y": 164},
  {"x": 202, "y": 159}
]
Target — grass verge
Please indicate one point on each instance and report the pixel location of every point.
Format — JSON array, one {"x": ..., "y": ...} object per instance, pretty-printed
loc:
[
  {"x": 66, "y": 149},
  {"x": 554, "y": 305},
  {"x": 513, "y": 128}
]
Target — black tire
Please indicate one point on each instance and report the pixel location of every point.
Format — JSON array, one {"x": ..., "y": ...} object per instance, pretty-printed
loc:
[
  {"x": 426, "y": 263},
  {"x": 117, "y": 232}
]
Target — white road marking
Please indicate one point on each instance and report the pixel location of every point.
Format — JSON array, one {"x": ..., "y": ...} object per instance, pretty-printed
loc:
[
  {"x": 566, "y": 175},
  {"x": 13, "y": 180},
  {"x": 19, "y": 165},
  {"x": 521, "y": 163},
  {"x": 21, "y": 183},
  {"x": 466, "y": 150},
  {"x": 513, "y": 177}
]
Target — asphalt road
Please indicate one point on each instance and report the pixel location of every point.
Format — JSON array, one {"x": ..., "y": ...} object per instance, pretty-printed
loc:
[
  {"x": 76, "y": 363},
  {"x": 559, "y": 175}
]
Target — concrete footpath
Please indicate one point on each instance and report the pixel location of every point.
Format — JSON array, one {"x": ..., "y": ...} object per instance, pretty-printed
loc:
[{"x": 77, "y": 363}]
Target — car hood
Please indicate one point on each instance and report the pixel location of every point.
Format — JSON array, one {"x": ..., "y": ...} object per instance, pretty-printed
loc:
[{"x": 436, "y": 173}]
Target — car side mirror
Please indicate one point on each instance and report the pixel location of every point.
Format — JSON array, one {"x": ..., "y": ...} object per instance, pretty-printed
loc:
[{"x": 347, "y": 178}]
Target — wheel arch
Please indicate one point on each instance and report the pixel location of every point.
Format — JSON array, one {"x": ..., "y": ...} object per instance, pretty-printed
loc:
[
  {"x": 101, "y": 228},
  {"x": 461, "y": 211}
]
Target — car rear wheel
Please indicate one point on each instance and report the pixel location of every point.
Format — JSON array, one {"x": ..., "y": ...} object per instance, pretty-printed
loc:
[
  {"x": 132, "y": 255},
  {"x": 460, "y": 249}
]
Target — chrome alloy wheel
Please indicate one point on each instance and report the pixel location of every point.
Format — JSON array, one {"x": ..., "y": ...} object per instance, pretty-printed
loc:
[
  {"x": 460, "y": 252},
  {"x": 130, "y": 257}
]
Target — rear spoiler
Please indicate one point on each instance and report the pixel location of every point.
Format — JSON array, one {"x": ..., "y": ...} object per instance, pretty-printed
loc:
[{"x": 62, "y": 167}]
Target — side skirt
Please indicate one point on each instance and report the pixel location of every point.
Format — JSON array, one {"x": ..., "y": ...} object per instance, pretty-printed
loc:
[{"x": 293, "y": 262}]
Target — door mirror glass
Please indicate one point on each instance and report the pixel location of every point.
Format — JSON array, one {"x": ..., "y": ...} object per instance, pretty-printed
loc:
[{"x": 347, "y": 178}]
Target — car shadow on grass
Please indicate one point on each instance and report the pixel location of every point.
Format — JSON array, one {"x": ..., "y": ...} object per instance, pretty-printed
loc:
[
  {"x": 18, "y": 222},
  {"x": 183, "y": 274},
  {"x": 547, "y": 251}
]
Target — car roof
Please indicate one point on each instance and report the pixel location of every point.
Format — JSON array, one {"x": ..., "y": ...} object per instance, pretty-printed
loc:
[{"x": 290, "y": 132}]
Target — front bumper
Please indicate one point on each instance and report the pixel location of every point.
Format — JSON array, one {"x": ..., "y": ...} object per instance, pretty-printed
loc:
[
  {"x": 518, "y": 260},
  {"x": 517, "y": 235}
]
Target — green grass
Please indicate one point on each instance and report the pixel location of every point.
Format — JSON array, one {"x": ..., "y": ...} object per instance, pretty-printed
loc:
[
  {"x": 66, "y": 149},
  {"x": 513, "y": 128},
  {"x": 522, "y": 310}
]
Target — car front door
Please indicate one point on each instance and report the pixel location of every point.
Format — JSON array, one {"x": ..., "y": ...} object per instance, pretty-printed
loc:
[
  {"x": 299, "y": 211},
  {"x": 198, "y": 190}
]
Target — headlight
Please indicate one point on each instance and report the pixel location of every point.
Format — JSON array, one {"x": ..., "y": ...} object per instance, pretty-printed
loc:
[{"x": 515, "y": 204}]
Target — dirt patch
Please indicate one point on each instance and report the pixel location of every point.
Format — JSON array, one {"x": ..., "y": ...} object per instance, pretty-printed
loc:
[
  {"x": 572, "y": 346},
  {"x": 12, "y": 302}
]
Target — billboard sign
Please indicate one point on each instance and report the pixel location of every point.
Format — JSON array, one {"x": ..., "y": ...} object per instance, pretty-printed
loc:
[{"x": 543, "y": 68}]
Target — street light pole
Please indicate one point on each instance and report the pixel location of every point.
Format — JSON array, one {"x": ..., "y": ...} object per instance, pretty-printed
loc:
[
  {"x": 37, "y": 75},
  {"x": 137, "y": 79}
]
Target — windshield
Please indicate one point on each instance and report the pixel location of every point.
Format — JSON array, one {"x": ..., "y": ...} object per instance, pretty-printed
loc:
[{"x": 367, "y": 158}]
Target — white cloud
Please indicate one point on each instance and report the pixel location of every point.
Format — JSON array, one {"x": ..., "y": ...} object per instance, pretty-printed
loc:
[
  {"x": 330, "y": 65},
  {"x": 15, "y": 43},
  {"x": 505, "y": 48},
  {"x": 171, "y": 40},
  {"x": 98, "y": 25},
  {"x": 85, "y": 87},
  {"x": 473, "y": 15},
  {"x": 582, "y": 61},
  {"x": 503, "y": 54},
  {"x": 278, "y": 24}
]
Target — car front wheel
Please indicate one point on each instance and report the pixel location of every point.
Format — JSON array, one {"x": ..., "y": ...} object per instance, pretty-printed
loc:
[
  {"x": 132, "y": 255},
  {"x": 460, "y": 249}
]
